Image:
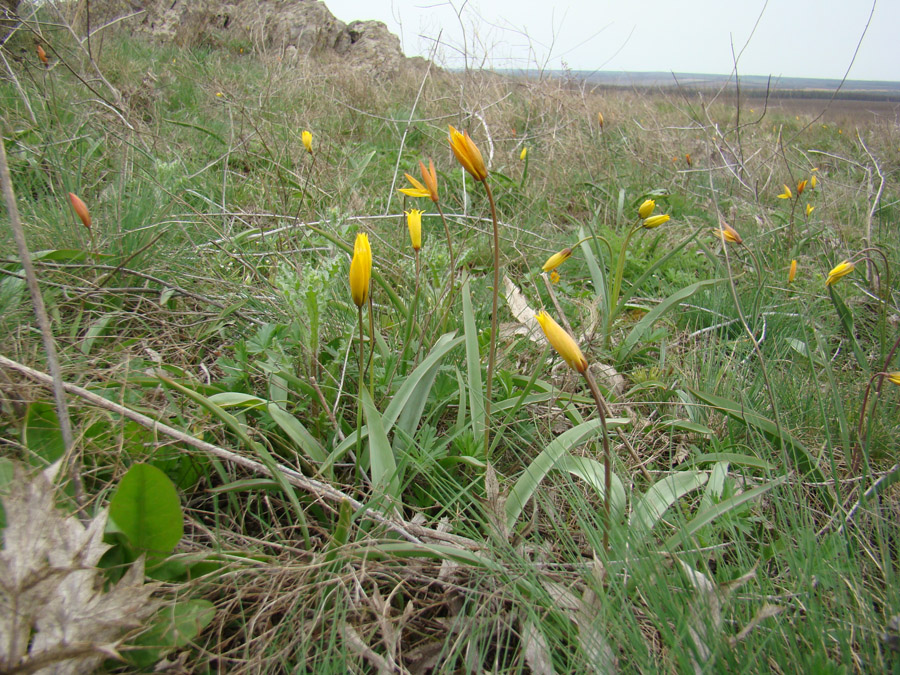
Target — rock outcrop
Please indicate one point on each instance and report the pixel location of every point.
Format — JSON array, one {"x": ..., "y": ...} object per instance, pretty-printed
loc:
[{"x": 296, "y": 28}]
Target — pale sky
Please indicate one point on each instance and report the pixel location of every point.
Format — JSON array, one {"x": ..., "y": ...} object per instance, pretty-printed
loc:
[{"x": 794, "y": 38}]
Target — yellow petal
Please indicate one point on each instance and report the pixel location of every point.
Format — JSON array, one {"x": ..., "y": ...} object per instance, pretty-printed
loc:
[
  {"x": 728, "y": 234},
  {"x": 523, "y": 154},
  {"x": 656, "y": 221},
  {"x": 562, "y": 342},
  {"x": 360, "y": 270},
  {"x": 645, "y": 209},
  {"x": 894, "y": 378},
  {"x": 414, "y": 223},
  {"x": 467, "y": 154},
  {"x": 556, "y": 259},
  {"x": 417, "y": 189},
  {"x": 841, "y": 270},
  {"x": 306, "y": 137},
  {"x": 787, "y": 194}
]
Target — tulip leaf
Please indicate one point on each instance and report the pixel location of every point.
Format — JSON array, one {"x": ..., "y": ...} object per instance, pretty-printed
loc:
[
  {"x": 146, "y": 508},
  {"x": 385, "y": 478},
  {"x": 409, "y": 390},
  {"x": 592, "y": 472},
  {"x": 645, "y": 324},
  {"x": 650, "y": 508},
  {"x": 804, "y": 461},
  {"x": 707, "y": 516},
  {"x": 849, "y": 329},
  {"x": 527, "y": 484},
  {"x": 473, "y": 363},
  {"x": 298, "y": 433}
]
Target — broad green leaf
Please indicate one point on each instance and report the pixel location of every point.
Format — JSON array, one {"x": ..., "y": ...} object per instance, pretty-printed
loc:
[
  {"x": 381, "y": 455},
  {"x": 246, "y": 485},
  {"x": 473, "y": 364},
  {"x": 731, "y": 458},
  {"x": 628, "y": 293},
  {"x": 805, "y": 462},
  {"x": 236, "y": 399},
  {"x": 849, "y": 329},
  {"x": 145, "y": 507},
  {"x": 41, "y": 433},
  {"x": 175, "y": 626},
  {"x": 662, "y": 494},
  {"x": 411, "y": 387},
  {"x": 407, "y": 405},
  {"x": 264, "y": 455},
  {"x": 645, "y": 324},
  {"x": 434, "y": 551},
  {"x": 592, "y": 472},
  {"x": 709, "y": 515},
  {"x": 96, "y": 331},
  {"x": 803, "y": 349},
  {"x": 598, "y": 277},
  {"x": 298, "y": 433},
  {"x": 546, "y": 461},
  {"x": 715, "y": 486},
  {"x": 686, "y": 425}
]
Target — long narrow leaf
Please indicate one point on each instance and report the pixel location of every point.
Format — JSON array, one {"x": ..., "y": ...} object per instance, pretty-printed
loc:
[
  {"x": 381, "y": 456},
  {"x": 662, "y": 494},
  {"x": 592, "y": 472},
  {"x": 706, "y": 517},
  {"x": 654, "y": 314},
  {"x": 805, "y": 462},
  {"x": 473, "y": 363},
  {"x": 546, "y": 461}
]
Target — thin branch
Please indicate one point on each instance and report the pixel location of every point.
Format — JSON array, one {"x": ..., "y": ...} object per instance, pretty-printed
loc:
[
  {"x": 40, "y": 312},
  {"x": 409, "y": 531}
]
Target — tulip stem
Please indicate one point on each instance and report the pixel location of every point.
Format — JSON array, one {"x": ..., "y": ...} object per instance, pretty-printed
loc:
[
  {"x": 359, "y": 391},
  {"x": 602, "y": 410},
  {"x": 493, "y": 348},
  {"x": 372, "y": 347},
  {"x": 449, "y": 244}
]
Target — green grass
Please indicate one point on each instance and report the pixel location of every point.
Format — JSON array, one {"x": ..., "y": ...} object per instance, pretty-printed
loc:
[{"x": 217, "y": 263}]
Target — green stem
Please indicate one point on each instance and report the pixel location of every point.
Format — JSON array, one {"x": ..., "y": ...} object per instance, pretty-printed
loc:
[
  {"x": 617, "y": 283},
  {"x": 607, "y": 455},
  {"x": 372, "y": 346},
  {"x": 359, "y": 403},
  {"x": 493, "y": 348}
]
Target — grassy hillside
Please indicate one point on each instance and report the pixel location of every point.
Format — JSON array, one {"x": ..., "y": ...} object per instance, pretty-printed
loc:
[{"x": 340, "y": 512}]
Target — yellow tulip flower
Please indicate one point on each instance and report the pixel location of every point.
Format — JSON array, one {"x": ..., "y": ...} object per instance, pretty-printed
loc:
[
  {"x": 428, "y": 187},
  {"x": 728, "y": 234},
  {"x": 894, "y": 378},
  {"x": 801, "y": 186},
  {"x": 841, "y": 270},
  {"x": 414, "y": 223},
  {"x": 523, "y": 154},
  {"x": 600, "y": 119},
  {"x": 787, "y": 194},
  {"x": 306, "y": 137},
  {"x": 557, "y": 259},
  {"x": 792, "y": 272},
  {"x": 809, "y": 209},
  {"x": 645, "y": 209},
  {"x": 360, "y": 270},
  {"x": 562, "y": 342},
  {"x": 656, "y": 221},
  {"x": 467, "y": 153},
  {"x": 813, "y": 180}
]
